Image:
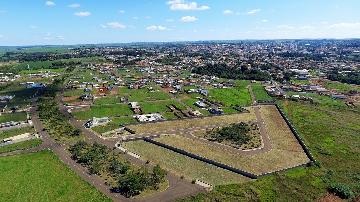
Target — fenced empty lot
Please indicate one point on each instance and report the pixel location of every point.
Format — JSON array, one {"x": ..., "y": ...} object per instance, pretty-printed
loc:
[{"x": 285, "y": 152}]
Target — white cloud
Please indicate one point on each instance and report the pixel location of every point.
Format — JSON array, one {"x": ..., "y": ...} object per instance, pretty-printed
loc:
[
  {"x": 122, "y": 11},
  {"x": 228, "y": 12},
  {"x": 82, "y": 14},
  {"x": 114, "y": 25},
  {"x": 188, "y": 19},
  {"x": 135, "y": 18},
  {"x": 33, "y": 27},
  {"x": 1, "y": 36},
  {"x": 265, "y": 20},
  {"x": 156, "y": 28},
  {"x": 76, "y": 5},
  {"x": 50, "y": 3},
  {"x": 60, "y": 38},
  {"x": 182, "y": 5},
  {"x": 285, "y": 27},
  {"x": 254, "y": 11},
  {"x": 346, "y": 25}
]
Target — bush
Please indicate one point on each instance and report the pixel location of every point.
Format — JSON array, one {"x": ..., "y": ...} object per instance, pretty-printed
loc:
[{"x": 341, "y": 190}]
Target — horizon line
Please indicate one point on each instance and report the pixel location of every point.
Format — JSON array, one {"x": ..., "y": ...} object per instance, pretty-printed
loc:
[{"x": 181, "y": 41}]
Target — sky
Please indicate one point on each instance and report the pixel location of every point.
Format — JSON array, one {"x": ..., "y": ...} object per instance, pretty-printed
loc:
[{"x": 57, "y": 22}]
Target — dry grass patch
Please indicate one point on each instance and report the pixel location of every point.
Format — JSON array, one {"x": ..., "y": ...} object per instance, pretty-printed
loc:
[
  {"x": 285, "y": 153},
  {"x": 190, "y": 123},
  {"x": 183, "y": 166}
]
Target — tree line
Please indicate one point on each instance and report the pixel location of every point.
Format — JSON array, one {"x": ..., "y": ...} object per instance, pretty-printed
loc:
[{"x": 225, "y": 71}]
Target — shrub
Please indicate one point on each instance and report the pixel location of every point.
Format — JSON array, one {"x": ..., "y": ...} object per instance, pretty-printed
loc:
[{"x": 341, "y": 190}]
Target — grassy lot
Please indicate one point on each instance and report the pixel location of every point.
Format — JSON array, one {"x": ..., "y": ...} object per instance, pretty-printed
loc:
[
  {"x": 141, "y": 95},
  {"x": 100, "y": 111},
  {"x": 231, "y": 96},
  {"x": 21, "y": 145},
  {"x": 75, "y": 92},
  {"x": 13, "y": 132},
  {"x": 189, "y": 123},
  {"x": 114, "y": 124},
  {"x": 183, "y": 166},
  {"x": 322, "y": 100},
  {"x": 107, "y": 100},
  {"x": 341, "y": 87},
  {"x": 61, "y": 70},
  {"x": 42, "y": 177},
  {"x": 331, "y": 135},
  {"x": 260, "y": 93},
  {"x": 300, "y": 82},
  {"x": 18, "y": 116}
]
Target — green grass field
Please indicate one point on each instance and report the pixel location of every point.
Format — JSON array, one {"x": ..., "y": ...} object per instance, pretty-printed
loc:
[
  {"x": 341, "y": 87},
  {"x": 238, "y": 95},
  {"x": 42, "y": 177},
  {"x": 14, "y": 132},
  {"x": 100, "y": 111},
  {"x": 260, "y": 93},
  {"x": 141, "y": 95},
  {"x": 332, "y": 135},
  {"x": 18, "y": 116},
  {"x": 21, "y": 146}
]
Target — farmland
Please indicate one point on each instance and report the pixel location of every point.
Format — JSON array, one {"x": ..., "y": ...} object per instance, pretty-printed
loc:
[{"x": 42, "y": 177}]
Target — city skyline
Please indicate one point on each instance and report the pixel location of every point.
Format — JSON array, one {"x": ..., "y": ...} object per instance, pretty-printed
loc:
[{"x": 80, "y": 22}]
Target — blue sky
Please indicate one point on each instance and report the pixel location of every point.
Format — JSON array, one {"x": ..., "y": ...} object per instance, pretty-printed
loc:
[{"x": 37, "y": 22}]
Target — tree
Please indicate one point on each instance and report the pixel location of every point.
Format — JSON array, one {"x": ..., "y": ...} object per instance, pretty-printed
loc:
[
  {"x": 117, "y": 167},
  {"x": 133, "y": 183},
  {"x": 158, "y": 175}
]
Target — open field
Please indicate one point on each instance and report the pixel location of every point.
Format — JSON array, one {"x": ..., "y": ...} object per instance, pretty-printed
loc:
[
  {"x": 100, "y": 111},
  {"x": 18, "y": 116},
  {"x": 231, "y": 96},
  {"x": 183, "y": 166},
  {"x": 260, "y": 93},
  {"x": 285, "y": 153},
  {"x": 42, "y": 177},
  {"x": 341, "y": 87},
  {"x": 141, "y": 95},
  {"x": 21, "y": 146},
  {"x": 331, "y": 135},
  {"x": 14, "y": 132},
  {"x": 190, "y": 123}
]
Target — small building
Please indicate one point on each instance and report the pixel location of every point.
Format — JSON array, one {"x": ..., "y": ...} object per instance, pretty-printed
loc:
[
  {"x": 338, "y": 96},
  {"x": 96, "y": 122},
  {"x": 216, "y": 111},
  {"x": 195, "y": 113},
  {"x": 200, "y": 104},
  {"x": 135, "y": 107},
  {"x": 149, "y": 117}
]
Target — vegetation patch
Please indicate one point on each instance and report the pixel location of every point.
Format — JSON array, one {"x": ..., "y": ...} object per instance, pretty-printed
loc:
[
  {"x": 118, "y": 173},
  {"x": 237, "y": 135},
  {"x": 17, "y": 116},
  {"x": 20, "y": 146}
]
